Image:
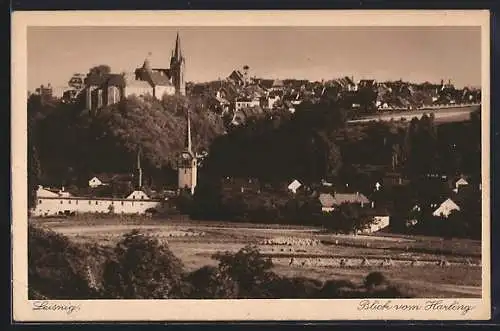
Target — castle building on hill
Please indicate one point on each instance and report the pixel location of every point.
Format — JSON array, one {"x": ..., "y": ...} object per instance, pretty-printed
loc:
[
  {"x": 107, "y": 89},
  {"x": 188, "y": 163}
]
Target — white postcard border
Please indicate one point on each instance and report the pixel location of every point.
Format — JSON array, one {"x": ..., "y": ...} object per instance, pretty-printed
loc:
[{"x": 219, "y": 310}]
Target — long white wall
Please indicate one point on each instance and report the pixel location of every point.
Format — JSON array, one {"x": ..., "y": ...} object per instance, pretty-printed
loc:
[{"x": 55, "y": 205}]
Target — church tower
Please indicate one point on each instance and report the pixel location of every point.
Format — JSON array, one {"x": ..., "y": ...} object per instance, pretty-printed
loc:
[
  {"x": 178, "y": 68},
  {"x": 187, "y": 163}
]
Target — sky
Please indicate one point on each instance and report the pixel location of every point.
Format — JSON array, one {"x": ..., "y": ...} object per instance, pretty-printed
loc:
[{"x": 416, "y": 54}]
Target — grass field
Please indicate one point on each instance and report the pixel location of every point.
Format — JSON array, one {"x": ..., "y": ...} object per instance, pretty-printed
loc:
[{"x": 195, "y": 242}]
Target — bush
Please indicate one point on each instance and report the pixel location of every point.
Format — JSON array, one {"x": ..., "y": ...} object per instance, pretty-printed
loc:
[
  {"x": 296, "y": 288},
  {"x": 209, "y": 283},
  {"x": 142, "y": 268},
  {"x": 333, "y": 289},
  {"x": 249, "y": 269},
  {"x": 57, "y": 267},
  {"x": 375, "y": 279}
]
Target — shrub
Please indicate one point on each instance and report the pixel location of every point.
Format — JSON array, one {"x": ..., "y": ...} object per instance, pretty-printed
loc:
[
  {"x": 56, "y": 267},
  {"x": 375, "y": 279},
  {"x": 294, "y": 288},
  {"x": 333, "y": 289},
  {"x": 142, "y": 268},
  {"x": 249, "y": 269},
  {"x": 209, "y": 283},
  {"x": 389, "y": 291}
]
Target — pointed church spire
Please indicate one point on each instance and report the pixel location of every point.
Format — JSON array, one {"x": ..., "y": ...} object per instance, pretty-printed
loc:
[
  {"x": 188, "y": 132},
  {"x": 178, "y": 52}
]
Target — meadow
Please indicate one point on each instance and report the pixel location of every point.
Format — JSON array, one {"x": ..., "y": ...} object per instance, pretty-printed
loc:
[{"x": 425, "y": 266}]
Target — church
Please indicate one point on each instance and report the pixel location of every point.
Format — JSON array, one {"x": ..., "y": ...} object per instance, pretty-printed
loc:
[{"x": 107, "y": 89}]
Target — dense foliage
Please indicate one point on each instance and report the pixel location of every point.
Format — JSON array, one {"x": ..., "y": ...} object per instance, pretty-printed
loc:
[
  {"x": 72, "y": 143},
  {"x": 281, "y": 146}
]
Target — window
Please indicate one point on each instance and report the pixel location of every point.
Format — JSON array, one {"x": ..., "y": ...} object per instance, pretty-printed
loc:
[
  {"x": 69, "y": 202},
  {"x": 61, "y": 202},
  {"x": 97, "y": 202},
  {"x": 90, "y": 202},
  {"x": 122, "y": 203},
  {"x": 39, "y": 201},
  {"x": 76, "y": 202}
]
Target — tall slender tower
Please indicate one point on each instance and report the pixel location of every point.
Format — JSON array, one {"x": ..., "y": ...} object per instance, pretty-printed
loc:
[
  {"x": 187, "y": 163},
  {"x": 139, "y": 170},
  {"x": 178, "y": 68}
]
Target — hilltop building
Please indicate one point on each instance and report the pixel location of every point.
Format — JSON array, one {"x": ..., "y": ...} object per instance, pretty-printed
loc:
[
  {"x": 106, "y": 89},
  {"x": 187, "y": 165}
]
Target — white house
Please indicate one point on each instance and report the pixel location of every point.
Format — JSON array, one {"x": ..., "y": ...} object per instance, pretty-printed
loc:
[
  {"x": 45, "y": 193},
  {"x": 460, "y": 182},
  {"x": 379, "y": 222},
  {"x": 327, "y": 202},
  {"x": 446, "y": 208},
  {"x": 136, "y": 203},
  {"x": 294, "y": 186},
  {"x": 95, "y": 182},
  {"x": 246, "y": 103}
]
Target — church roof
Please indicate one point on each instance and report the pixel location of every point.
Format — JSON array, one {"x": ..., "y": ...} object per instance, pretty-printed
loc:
[{"x": 157, "y": 78}]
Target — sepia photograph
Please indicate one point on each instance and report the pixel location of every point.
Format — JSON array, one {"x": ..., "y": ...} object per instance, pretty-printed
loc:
[{"x": 181, "y": 161}]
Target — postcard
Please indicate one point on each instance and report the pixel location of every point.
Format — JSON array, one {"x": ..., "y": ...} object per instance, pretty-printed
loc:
[{"x": 250, "y": 165}]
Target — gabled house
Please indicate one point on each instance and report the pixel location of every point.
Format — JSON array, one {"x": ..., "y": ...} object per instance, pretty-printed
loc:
[
  {"x": 237, "y": 78},
  {"x": 137, "y": 195},
  {"x": 461, "y": 182},
  {"x": 352, "y": 198},
  {"x": 445, "y": 208},
  {"x": 327, "y": 202},
  {"x": 95, "y": 182},
  {"x": 42, "y": 192},
  {"x": 294, "y": 186}
]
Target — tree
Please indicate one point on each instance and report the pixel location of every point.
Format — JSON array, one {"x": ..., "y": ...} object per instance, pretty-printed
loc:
[
  {"x": 248, "y": 268},
  {"x": 210, "y": 283},
  {"x": 34, "y": 173},
  {"x": 100, "y": 70},
  {"x": 142, "y": 268}
]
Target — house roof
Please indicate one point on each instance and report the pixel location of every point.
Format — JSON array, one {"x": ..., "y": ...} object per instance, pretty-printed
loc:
[
  {"x": 341, "y": 198},
  {"x": 326, "y": 200},
  {"x": 294, "y": 185},
  {"x": 448, "y": 202},
  {"x": 236, "y": 75},
  {"x": 139, "y": 193},
  {"x": 461, "y": 181}
]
